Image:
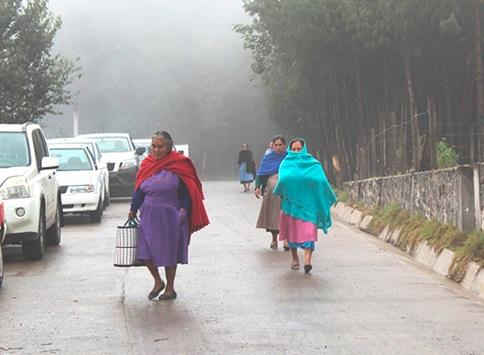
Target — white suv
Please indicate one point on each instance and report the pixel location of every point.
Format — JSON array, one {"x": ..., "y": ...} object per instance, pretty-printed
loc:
[
  {"x": 3, "y": 226},
  {"x": 29, "y": 189}
]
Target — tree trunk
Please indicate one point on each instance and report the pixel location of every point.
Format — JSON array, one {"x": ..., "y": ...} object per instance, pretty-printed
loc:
[
  {"x": 416, "y": 149},
  {"x": 478, "y": 71}
]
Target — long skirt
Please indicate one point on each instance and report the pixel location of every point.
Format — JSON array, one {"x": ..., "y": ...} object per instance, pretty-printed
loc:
[
  {"x": 270, "y": 208},
  {"x": 164, "y": 233},
  {"x": 244, "y": 176},
  {"x": 298, "y": 233}
]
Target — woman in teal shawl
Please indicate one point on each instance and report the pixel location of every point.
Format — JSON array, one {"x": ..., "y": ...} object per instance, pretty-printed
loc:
[{"x": 306, "y": 199}]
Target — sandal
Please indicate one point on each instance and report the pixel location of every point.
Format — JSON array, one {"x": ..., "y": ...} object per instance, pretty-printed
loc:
[
  {"x": 295, "y": 266},
  {"x": 166, "y": 297},
  {"x": 155, "y": 293},
  {"x": 274, "y": 245},
  {"x": 307, "y": 268}
]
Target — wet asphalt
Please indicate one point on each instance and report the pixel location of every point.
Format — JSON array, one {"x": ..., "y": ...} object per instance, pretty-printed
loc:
[{"x": 237, "y": 296}]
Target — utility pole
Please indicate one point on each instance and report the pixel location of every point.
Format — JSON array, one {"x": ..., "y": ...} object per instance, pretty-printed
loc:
[
  {"x": 75, "y": 114},
  {"x": 75, "y": 122}
]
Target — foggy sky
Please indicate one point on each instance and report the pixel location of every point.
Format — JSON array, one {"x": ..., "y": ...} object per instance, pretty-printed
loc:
[{"x": 157, "y": 64}]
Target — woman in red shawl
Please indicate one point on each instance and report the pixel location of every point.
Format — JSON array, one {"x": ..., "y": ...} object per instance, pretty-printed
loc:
[{"x": 170, "y": 196}]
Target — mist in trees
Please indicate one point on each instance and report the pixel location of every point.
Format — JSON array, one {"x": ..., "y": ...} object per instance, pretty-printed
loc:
[
  {"x": 341, "y": 72},
  {"x": 171, "y": 65}
]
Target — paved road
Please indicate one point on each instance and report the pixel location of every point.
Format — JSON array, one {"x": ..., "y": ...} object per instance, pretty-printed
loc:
[{"x": 236, "y": 296}]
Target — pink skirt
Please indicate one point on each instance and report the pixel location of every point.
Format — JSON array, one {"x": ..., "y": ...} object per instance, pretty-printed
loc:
[{"x": 296, "y": 231}]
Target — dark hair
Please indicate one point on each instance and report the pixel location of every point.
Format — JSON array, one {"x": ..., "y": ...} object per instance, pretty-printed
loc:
[
  {"x": 279, "y": 137},
  {"x": 300, "y": 140},
  {"x": 165, "y": 136}
]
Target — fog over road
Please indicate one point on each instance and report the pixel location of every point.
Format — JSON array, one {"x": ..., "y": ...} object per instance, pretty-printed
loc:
[{"x": 235, "y": 296}]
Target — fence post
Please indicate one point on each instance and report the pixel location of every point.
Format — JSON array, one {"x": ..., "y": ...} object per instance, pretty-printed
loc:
[
  {"x": 432, "y": 122},
  {"x": 404, "y": 155},
  {"x": 472, "y": 143},
  {"x": 383, "y": 145},
  {"x": 373, "y": 157},
  {"x": 466, "y": 214},
  {"x": 392, "y": 145},
  {"x": 477, "y": 197}
]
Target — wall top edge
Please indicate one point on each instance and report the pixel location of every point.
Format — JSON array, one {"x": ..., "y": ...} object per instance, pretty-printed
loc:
[{"x": 427, "y": 172}]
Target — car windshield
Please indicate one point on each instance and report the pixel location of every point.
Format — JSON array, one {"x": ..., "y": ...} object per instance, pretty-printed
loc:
[
  {"x": 71, "y": 159},
  {"x": 14, "y": 150},
  {"x": 113, "y": 144}
]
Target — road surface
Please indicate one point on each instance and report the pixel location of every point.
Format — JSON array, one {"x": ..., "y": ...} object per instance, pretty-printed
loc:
[{"x": 237, "y": 296}]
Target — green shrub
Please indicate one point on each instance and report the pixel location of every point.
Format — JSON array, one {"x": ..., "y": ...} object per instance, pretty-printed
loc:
[{"x": 447, "y": 157}]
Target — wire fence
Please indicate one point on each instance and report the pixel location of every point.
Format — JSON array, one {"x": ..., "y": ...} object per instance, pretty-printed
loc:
[{"x": 413, "y": 144}]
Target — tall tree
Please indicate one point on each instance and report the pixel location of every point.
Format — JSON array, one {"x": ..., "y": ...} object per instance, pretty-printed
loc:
[
  {"x": 32, "y": 79},
  {"x": 347, "y": 72}
]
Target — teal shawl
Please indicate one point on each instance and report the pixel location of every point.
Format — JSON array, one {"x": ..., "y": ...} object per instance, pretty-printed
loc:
[{"x": 304, "y": 189}]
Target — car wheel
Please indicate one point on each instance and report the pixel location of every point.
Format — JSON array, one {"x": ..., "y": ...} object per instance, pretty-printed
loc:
[
  {"x": 34, "y": 249},
  {"x": 97, "y": 215},
  {"x": 54, "y": 233},
  {"x": 1, "y": 266}
]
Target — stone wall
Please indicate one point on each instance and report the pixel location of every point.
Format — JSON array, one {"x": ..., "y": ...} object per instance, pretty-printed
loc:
[{"x": 446, "y": 195}]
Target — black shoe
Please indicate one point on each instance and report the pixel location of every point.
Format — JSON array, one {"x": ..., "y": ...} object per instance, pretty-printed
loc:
[
  {"x": 165, "y": 297},
  {"x": 307, "y": 268},
  {"x": 286, "y": 248},
  {"x": 155, "y": 293}
]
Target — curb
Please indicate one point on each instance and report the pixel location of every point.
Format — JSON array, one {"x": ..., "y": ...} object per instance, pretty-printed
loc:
[{"x": 424, "y": 253}]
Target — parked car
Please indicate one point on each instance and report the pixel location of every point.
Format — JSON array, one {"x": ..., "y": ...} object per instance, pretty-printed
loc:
[
  {"x": 99, "y": 162},
  {"x": 122, "y": 159},
  {"x": 2, "y": 236},
  {"x": 81, "y": 184},
  {"x": 146, "y": 143},
  {"x": 29, "y": 189}
]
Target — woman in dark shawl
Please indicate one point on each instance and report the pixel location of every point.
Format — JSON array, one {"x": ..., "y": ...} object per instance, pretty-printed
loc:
[
  {"x": 246, "y": 167},
  {"x": 266, "y": 180}
]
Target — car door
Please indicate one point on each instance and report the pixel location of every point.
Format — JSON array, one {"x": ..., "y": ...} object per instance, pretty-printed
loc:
[
  {"x": 47, "y": 177},
  {"x": 102, "y": 167},
  {"x": 98, "y": 174}
]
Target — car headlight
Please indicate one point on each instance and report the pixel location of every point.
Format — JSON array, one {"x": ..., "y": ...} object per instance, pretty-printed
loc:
[
  {"x": 131, "y": 163},
  {"x": 79, "y": 189},
  {"x": 15, "y": 187}
]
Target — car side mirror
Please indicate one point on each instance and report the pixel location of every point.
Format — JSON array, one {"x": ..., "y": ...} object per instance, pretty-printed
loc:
[
  {"x": 140, "y": 150},
  {"x": 49, "y": 163}
]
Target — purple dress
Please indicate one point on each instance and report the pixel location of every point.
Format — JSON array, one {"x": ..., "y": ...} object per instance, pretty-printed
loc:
[{"x": 163, "y": 236}]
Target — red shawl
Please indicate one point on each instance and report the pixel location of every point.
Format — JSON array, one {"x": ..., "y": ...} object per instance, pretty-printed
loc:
[{"x": 179, "y": 165}]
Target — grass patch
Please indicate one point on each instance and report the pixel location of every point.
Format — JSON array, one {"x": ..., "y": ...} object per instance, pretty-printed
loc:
[
  {"x": 415, "y": 228},
  {"x": 471, "y": 250},
  {"x": 384, "y": 217},
  {"x": 410, "y": 235},
  {"x": 342, "y": 195}
]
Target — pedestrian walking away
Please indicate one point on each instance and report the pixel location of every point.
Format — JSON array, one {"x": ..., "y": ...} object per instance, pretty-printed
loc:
[
  {"x": 306, "y": 199},
  {"x": 169, "y": 195},
  {"x": 266, "y": 180},
  {"x": 246, "y": 167}
]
